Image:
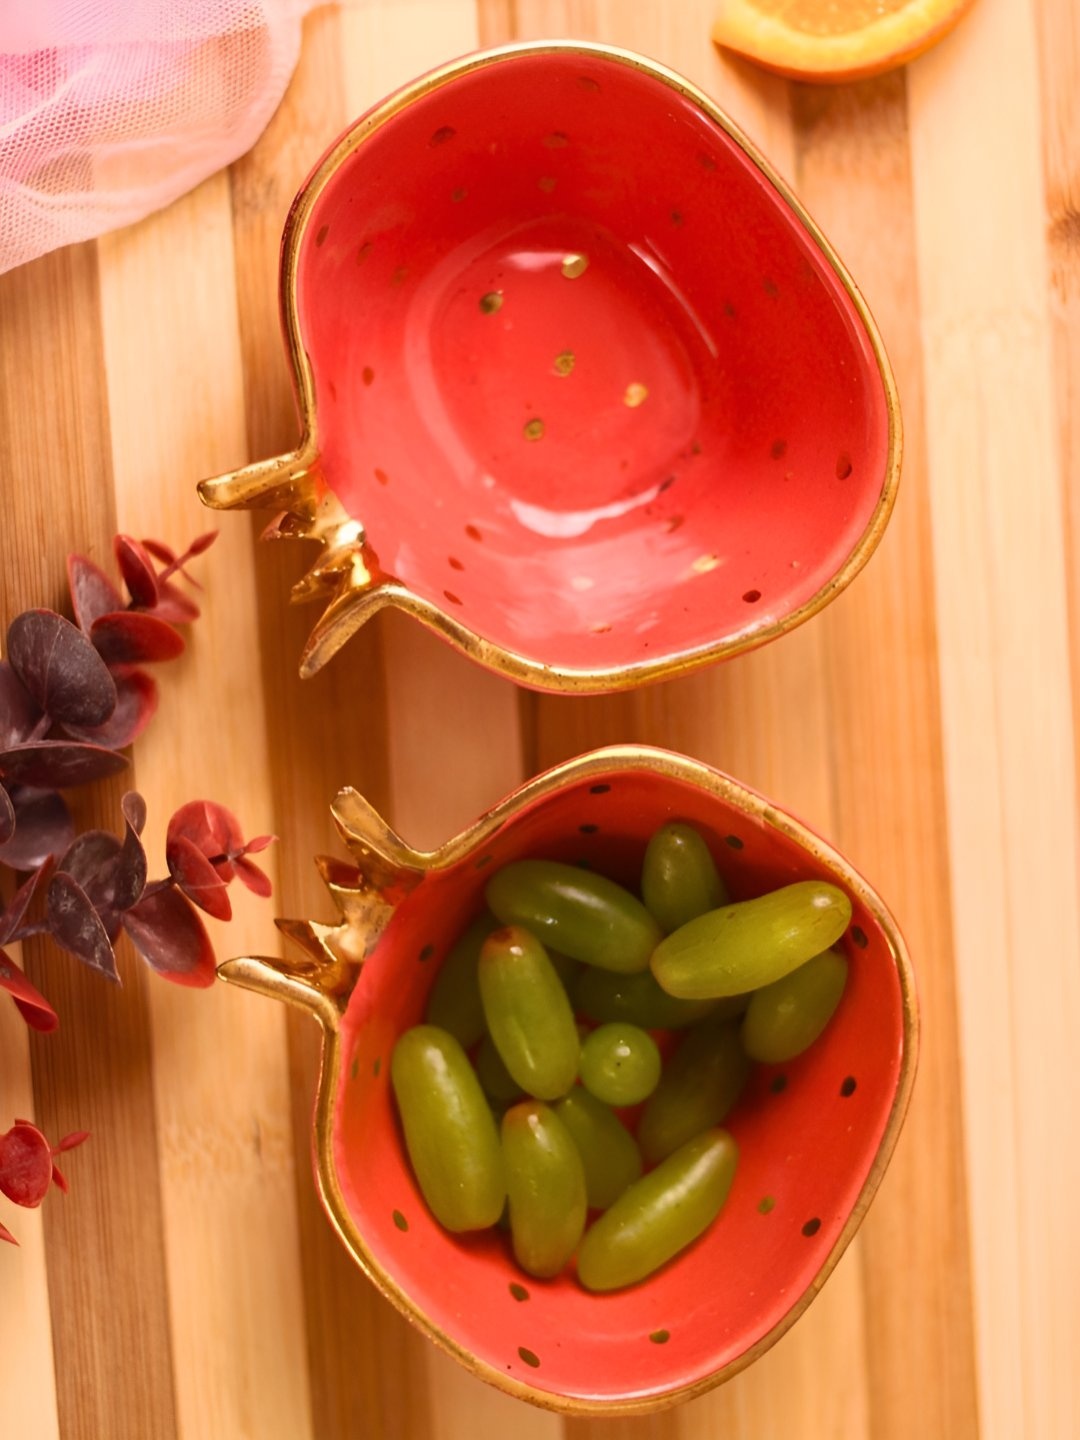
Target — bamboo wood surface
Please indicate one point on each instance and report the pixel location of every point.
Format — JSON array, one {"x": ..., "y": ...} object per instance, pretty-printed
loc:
[{"x": 189, "y": 1288}]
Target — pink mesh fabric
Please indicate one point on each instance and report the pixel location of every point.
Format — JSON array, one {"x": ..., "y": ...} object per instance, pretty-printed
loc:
[{"x": 110, "y": 109}]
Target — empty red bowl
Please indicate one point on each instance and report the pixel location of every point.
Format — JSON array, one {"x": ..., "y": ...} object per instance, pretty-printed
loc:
[
  {"x": 582, "y": 386},
  {"x": 814, "y": 1135}
]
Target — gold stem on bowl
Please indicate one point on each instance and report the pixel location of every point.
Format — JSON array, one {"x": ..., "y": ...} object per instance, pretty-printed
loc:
[{"x": 280, "y": 981}]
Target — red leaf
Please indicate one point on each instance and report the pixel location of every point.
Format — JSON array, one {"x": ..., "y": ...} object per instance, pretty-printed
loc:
[
  {"x": 259, "y": 843},
  {"x": 171, "y": 938},
  {"x": 210, "y": 828},
  {"x": 198, "y": 879},
  {"x": 136, "y": 702},
  {"x": 43, "y": 827},
  {"x": 255, "y": 879},
  {"x": 160, "y": 551},
  {"x": 138, "y": 571},
  {"x": 5, "y": 1234},
  {"x": 174, "y": 606},
  {"x": 35, "y": 1009},
  {"x": 129, "y": 637},
  {"x": 25, "y": 1164},
  {"x": 71, "y": 1141},
  {"x": 92, "y": 592},
  {"x": 201, "y": 543},
  {"x": 58, "y": 1178},
  {"x": 18, "y": 713},
  {"x": 63, "y": 672},
  {"x": 58, "y": 764},
  {"x": 76, "y": 926}
]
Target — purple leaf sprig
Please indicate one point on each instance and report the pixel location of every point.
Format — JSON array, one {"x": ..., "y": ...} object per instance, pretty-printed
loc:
[
  {"x": 99, "y": 887},
  {"x": 73, "y": 695}
]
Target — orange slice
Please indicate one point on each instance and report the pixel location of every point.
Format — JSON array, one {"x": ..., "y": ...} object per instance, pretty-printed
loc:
[{"x": 833, "y": 39}]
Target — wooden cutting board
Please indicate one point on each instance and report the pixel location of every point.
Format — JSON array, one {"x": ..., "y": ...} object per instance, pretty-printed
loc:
[{"x": 189, "y": 1286}]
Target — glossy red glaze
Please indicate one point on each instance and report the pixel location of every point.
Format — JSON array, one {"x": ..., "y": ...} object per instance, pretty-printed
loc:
[
  {"x": 682, "y": 444},
  {"x": 808, "y": 1148}
]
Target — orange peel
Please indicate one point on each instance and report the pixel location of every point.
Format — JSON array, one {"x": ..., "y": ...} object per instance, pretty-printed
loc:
[{"x": 834, "y": 40}]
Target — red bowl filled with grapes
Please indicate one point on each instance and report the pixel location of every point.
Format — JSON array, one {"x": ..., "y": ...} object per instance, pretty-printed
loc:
[
  {"x": 582, "y": 387},
  {"x": 609, "y": 1079}
]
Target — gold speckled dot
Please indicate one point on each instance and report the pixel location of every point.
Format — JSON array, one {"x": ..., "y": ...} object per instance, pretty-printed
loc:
[
  {"x": 636, "y": 394},
  {"x": 704, "y": 563},
  {"x": 575, "y": 265},
  {"x": 564, "y": 362},
  {"x": 367, "y": 375},
  {"x": 491, "y": 302},
  {"x": 364, "y": 251},
  {"x": 399, "y": 275},
  {"x": 458, "y": 194},
  {"x": 600, "y": 628},
  {"x": 556, "y": 140},
  {"x": 534, "y": 428},
  {"x": 546, "y": 183}
]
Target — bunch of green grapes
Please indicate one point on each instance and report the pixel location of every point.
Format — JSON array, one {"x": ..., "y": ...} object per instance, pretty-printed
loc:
[{"x": 556, "y": 994}]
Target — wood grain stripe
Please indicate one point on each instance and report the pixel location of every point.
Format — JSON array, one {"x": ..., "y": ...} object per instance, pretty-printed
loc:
[
  {"x": 113, "y": 1375},
  {"x": 1000, "y": 568},
  {"x": 365, "y": 1374},
  {"x": 219, "y": 1059},
  {"x": 880, "y": 680}
]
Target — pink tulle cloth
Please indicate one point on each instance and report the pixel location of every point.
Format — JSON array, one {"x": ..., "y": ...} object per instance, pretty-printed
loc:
[{"x": 110, "y": 109}]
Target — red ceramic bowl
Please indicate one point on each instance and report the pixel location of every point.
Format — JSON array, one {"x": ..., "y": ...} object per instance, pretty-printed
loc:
[
  {"x": 581, "y": 385},
  {"x": 814, "y": 1135}
]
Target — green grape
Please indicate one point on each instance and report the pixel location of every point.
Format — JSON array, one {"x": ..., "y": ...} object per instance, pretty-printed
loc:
[
  {"x": 700, "y": 1084},
  {"x": 660, "y": 1214},
  {"x": 449, "y": 1129},
  {"x": 620, "y": 1064},
  {"x": 608, "y": 1151},
  {"x": 453, "y": 1002},
  {"x": 743, "y": 946},
  {"x": 545, "y": 1181},
  {"x": 583, "y": 915},
  {"x": 528, "y": 1014},
  {"x": 679, "y": 878},
  {"x": 495, "y": 1080},
  {"x": 786, "y": 1017},
  {"x": 603, "y": 996}
]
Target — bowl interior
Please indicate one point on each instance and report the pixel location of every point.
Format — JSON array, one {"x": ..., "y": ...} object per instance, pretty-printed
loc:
[
  {"x": 590, "y": 384},
  {"x": 808, "y": 1132}
]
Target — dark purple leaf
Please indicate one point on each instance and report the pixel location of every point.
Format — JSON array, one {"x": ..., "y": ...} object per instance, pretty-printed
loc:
[
  {"x": 76, "y": 926},
  {"x": 255, "y": 879},
  {"x": 128, "y": 637},
  {"x": 7, "y": 818},
  {"x": 35, "y": 1009},
  {"x": 63, "y": 672},
  {"x": 18, "y": 713},
  {"x": 131, "y": 863},
  {"x": 174, "y": 606},
  {"x": 58, "y": 764},
  {"x": 92, "y": 592},
  {"x": 198, "y": 879},
  {"x": 25, "y": 1165},
  {"x": 136, "y": 702},
  {"x": 93, "y": 862},
  {"x": 43, "y": 827},
  {"x": 21, "y": 901},
  {"x": 134, "y": 807},
  {"x": 171, "y": 938},
  {"x": 138, "y": 571}
]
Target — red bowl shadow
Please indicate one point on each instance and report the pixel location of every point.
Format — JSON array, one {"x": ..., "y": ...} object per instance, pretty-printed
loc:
[{"x": 814, "y": 1135}]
